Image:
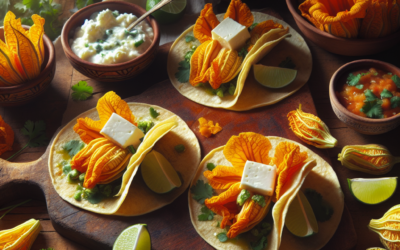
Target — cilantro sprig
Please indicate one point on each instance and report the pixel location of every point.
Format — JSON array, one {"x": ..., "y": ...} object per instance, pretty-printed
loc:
[
  {"x": 206, "y": 214},
  {"x": 81, "y": 91},
  {"x": 386, "y": 94},
  {"x": 73, "y": 147},
  {"x": 353, "y": 80},
  {"x": 373, "y": 109},
  {"x": 189, "y": 38},
  {"x": 201, "y": 191},
  {"x": 395, "y": 102},
  {"x": 183, "y": 72},
  {"x": 36, "y": 132},
  {"x": 396, "y": 80},
  {"x": 154, "y": 113}
]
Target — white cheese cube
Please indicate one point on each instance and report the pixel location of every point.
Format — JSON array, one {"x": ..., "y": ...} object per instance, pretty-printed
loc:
[
  {"x": 258, "y": 178},
  {"x": 230, "y": 34},
  {"x": 122, "y": 132}
]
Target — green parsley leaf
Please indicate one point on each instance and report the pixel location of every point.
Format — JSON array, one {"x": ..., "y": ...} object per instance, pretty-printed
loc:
[
  {"x": 322, "y": 210},
  {"x": 73, "y": 147},
  {"x": 395, "y": 102},
  {"x": 36, "y": 131},
  {"x": 372, "y": 109},
  {"x": 370, "y": 96},
  {"x": 145, "y": 125},
  {"x": 259, "y": 244},
  {"x": 188, "y": 56},
  {"x": 206, "y": 215},
  {"x": 210, "y": 166},
  {"x": 183, "y": 71},
  {"x": 259, "y": 199},
  {"x": 222, "y": 237},
  {"x": 386, "y": 94},
  {"x": 154, "y": 113},
  {"x": 252, "y": 26},
  {"x": 360, "y": 86},
  {"x": 353, "y": 80},
  {"x": 81, "y": 91},
  {"x": 201, "y": 191},
  {"x": 396, "y": 80},
  {"x": 287, "y": 63},
  {"x": 180, "y": 148},
  {"x": 243, "y": 52},
  {"x": 189, "y": 38},
  {"x": 243, "y": 197}
]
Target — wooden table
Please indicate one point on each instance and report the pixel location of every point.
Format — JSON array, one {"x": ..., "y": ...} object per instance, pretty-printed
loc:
[{"x": 51, "y": 106}]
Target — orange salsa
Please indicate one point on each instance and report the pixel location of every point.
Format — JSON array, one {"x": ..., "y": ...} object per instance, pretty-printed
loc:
[{"x": 371, "y": 93}]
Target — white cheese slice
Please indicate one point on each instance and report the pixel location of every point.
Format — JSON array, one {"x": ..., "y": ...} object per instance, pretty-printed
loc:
[
  {"x": 258, "y": 178},
  {"x": 122, "y": 132},
  {"x": 230, "y": 34}
]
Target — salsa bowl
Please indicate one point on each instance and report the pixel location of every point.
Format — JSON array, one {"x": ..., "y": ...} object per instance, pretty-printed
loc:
[
  {"x": 361, "y": 124},
  {"x": 23, "y": 93},
  {"x": 109, "y": 72},
  {"x": 340, "y": 45}
]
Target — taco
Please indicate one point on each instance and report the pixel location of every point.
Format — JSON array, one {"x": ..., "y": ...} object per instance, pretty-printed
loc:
[
  {"x": 108, "y": 180},
  {"x": 272, "y": 42},
  {"x": 297, "y": 168}
]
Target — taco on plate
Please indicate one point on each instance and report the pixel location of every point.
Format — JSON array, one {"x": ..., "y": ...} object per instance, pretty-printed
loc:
[
  {"x": 92, "y": 168},
  {"x": 208, "y": 71},
  {"x": 220, "y": 201}
]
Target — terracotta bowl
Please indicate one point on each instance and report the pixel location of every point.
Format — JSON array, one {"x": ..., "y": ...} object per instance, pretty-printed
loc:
[
  {"x": 110, "y": 72},
  {"x": 338, "y": 45},
  {"x": 23, "y": 93},
  {"x": 363, "y": 125}
]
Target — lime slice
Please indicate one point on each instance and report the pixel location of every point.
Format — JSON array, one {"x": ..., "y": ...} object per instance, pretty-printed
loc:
[
  {"x": 158, "y": 173},
  {"x": 372, "y": 190},
  {"x": 169, "y": 13},
  {"x": 273, "y": 77},
  {"x": 135, "y": 237},
  {"x": 300, "y": 218}
]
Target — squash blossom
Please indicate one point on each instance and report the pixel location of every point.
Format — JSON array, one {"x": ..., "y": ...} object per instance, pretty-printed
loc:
[
  {"x": 373, "y": 159},
  {"x": 21, "y": 236},
  {"x": 207, "y": 128},
  {"x": 22, "y": 53},
  {"x": 212, "y": 63},
  {"x": 310, "y": 129},
  {"x": 387, "y": 228},
  {"x": 6, "y": 136},
  {"x": 250, "y": 146}
]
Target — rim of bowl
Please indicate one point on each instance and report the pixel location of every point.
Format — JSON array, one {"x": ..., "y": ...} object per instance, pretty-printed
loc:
[
  {"x": 67, "y": 47},
  {"x": 344, "y": 69},
  {"x": 306, "y": 23},
  {"x": 51, "y": 60}
]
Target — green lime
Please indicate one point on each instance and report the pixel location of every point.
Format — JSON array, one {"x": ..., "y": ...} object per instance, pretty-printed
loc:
[
  {"x": 300, "y": 218},
  {"x": 135, "y": 237},
  {"x": 158, "y": 173},
  {"x": 170, "y": 13},
  {"x": 372, "y": 190},
  {"x": 273, "y": 77}
]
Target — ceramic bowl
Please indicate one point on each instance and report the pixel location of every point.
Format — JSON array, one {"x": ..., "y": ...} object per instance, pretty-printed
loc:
[
  {"x": 23, "y": 93},
  {"x": 363, "y": 125},
  {"x": 339, "y": 45},
  {"x": 109, "y": 72}
]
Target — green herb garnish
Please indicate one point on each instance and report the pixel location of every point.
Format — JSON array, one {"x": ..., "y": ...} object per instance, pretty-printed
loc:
[
  {"x": 83, "y": 3},
  {"x": 259, "y": 199},
  {"x": 183, "y": 72},
  {"x": 154, "y": 113},
  {"x": 243, "y": 197},
  {"x": 206, "y": 214},
  {"x": 131, "y": 149},
  {"x": 360, "y": 86},
  {"x": 115, "y": 13},
  {"x": 210, "y": 166},
  {"x": 396, "y": 80},
  {"x": 322, "y": 210},
  {"x": 189, "y": 38},
  {"x": 259, "y": 244},
  {"x": 232, "y": 89},
  {"x": 145, "y": 126},
  {"x": 201, "y": 191},
  {"x": 218, "y": 224},
  {"x": 73, "y": 147},
  {"x": 222, "y": 237},
  {"x": 139, "y": 42},
  {"x": 370, "y": 96},
  {"x": 287, "y": 63},
  {"x": 180, "y": 148},
  {"x": 372, "y": 109},
  {"x": 395, "y": 102},
  {"x": 243, "y": 52},
  {"x": 353, "y": 80},
  {"x": 386, "y": 94},
  {"x": 81, "y": 91},
  {"x": 252, "y": 26}
]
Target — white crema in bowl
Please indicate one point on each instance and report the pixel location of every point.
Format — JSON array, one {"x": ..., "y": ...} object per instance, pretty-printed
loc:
[{"x": 104, "y": 38}]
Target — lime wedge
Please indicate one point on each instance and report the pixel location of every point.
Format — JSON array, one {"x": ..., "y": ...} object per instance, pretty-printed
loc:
[
  {"x": 158, "y": 173},
  {"x": 169, "y": 13},
  {"x": 372, "y": 190},
  {"x": 135, "y": 237},
  {"x": 300, "y": 218},
  {"x": 273, "y": 77}
]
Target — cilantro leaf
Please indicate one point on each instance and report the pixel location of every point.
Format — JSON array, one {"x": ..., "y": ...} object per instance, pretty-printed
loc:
[
  {"x": 20, "y": 7},
  {"x": 73, "y": 147},
  {"x": 396, "y": 80},
  {"x": 210, "y": 166},
  {"x": 32, "y": 4},
  {"x": 243, "y": 52},
  {"x": 259, "y": 244},
  {"x": 222, "y": 237},
  {"x": 206, "y": 215},
  {"x": 360, "y": 86},
  {"x": 353, "y": 80},
  {"x": 395, "y": 102},
  {"x": 154, "y": 113},
  {"x": 259, "y": 199},
  {"x": 201, "y": 191},
  {"x": 81, "y": 91},
  {"x": 183, "y": 71},
  {"x": 287, "y": 63},
  {"x": 370, "y": 95},
  {"x": 36, "y": 131},
  {"x": 386, "y": 94},
  {"x": 252, "y": 26},
  {"x": 189, "y": 55},
  {"x": 189, "y": 38},
  {"x": 322, "y": 210},
  {"x": 145, "y": 125},
  {"x": 372, "y": 109}
]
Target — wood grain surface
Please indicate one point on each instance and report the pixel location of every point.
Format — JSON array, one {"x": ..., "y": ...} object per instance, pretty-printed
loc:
[{"x": 170, "y": 226}]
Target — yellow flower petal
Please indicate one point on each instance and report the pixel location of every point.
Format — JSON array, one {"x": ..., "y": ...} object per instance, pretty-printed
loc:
[
  {"x": 222, "y": 177},
  {"x": 206, "y": 22}
]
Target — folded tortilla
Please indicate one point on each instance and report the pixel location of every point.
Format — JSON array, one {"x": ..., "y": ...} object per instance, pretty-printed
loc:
[
  {"x": 134, "y": 198},
  {"x": 319, "y": 176},
  {"x": 249, "y": 94}
]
